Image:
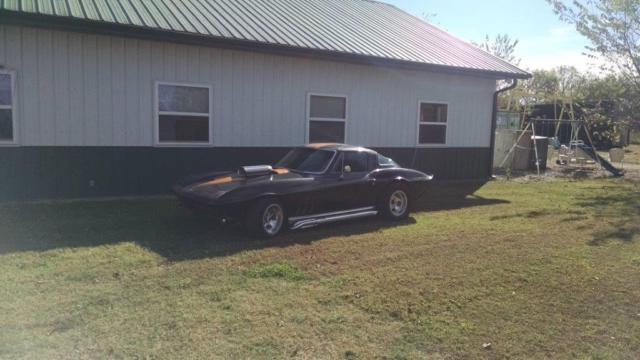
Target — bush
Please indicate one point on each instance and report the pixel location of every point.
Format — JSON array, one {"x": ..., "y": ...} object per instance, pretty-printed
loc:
[{"x": 605, "y": 132}]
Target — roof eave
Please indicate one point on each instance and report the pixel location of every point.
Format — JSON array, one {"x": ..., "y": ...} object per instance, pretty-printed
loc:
[{"x": 139, "y": 32}]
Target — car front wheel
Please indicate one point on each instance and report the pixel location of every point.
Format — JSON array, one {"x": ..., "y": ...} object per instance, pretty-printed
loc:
[
  {"x": 394, "y": 203},
  {"x": 266, "y": 218}
]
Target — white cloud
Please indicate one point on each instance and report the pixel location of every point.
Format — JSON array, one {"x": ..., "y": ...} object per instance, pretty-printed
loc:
[
  {"x": 553, "y": 59},
  {"x": 558, "y": 46}
]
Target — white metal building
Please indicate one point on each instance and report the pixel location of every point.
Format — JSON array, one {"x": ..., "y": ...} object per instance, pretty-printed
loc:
[{"x": 126, "y": 98}]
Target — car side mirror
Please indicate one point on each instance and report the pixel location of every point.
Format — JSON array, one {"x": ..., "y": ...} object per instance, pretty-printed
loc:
[{"x": 347, "y": 168}]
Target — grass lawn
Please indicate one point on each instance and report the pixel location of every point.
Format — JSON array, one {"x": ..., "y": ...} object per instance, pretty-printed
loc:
[
  {"x": 632, "y": 155},
  {"x": 539, "y": 270}
]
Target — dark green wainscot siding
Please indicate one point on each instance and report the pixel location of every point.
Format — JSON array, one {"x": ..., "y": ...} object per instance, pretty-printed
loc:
[{"x": 30, "y": 173}]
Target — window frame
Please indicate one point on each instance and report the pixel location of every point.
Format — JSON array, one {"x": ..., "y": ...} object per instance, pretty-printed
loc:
[
  {"x": 445, "y": 124},
  {"x": 13, "y": 107},
  {"x": 157, "y": 113},
  {"x": 310, "y": 118}
]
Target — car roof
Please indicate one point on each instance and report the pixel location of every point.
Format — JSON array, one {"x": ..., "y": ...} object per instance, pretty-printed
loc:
[{"x": 337, "y": 147}]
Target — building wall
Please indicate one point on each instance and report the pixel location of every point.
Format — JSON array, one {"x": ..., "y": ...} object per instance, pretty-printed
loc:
[
  {"x": 54, "y": 172},
  {"x": 88, "y": 90},
  {"x": 85, "y": 113}
]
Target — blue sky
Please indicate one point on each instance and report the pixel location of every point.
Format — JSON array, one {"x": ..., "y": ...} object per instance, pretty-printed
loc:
[{"x": 545, "y": 41}]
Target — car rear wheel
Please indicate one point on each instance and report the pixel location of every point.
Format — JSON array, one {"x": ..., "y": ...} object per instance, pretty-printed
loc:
[
  {"x": 394, "y": 203},
  {"x": 266, "y": 218}
]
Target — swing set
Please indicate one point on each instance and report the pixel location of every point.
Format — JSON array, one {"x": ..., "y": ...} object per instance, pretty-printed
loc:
[{"x": 574, "y": 153}]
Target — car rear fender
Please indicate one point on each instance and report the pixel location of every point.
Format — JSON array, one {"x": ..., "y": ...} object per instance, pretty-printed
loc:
[
  {"x": 400, "y": 180},
  {"x": 413, "y": 187}
]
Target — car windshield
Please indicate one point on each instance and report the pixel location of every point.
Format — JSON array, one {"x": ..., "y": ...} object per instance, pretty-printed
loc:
[{"x": 306, "y": 160}]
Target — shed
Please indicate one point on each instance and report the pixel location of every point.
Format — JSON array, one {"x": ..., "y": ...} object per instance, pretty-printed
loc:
[{"x": 124, "y": 97}]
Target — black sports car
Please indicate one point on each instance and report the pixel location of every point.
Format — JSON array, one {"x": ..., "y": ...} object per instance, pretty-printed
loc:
[{"x": 311, "y": 185}]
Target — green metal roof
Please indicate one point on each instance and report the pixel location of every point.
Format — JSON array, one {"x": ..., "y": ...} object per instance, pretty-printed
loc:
[{"x": 359, "y": 28}]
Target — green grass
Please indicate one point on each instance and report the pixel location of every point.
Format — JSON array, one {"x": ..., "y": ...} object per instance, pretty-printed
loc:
[
  {"x": 279, "y": 270},
  {"x": 539, "y": 270}
]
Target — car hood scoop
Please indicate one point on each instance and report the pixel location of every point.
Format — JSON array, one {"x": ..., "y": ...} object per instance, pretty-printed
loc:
[{"x": 252, "y": 171}]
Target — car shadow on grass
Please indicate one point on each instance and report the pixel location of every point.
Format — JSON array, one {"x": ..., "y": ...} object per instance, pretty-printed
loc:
[
  {"x": 232, "y": 239},
  {"x": 162, "y": 226},
  {"x": 442, "y": 203}
]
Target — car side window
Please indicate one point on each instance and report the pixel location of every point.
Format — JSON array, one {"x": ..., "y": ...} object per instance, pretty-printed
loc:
[
  {"x": 356, "y": 161},
  {"x": 385, "y": 162}
]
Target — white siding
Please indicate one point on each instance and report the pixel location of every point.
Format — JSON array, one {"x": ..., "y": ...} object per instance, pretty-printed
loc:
[{"x": 90, "y": 90}]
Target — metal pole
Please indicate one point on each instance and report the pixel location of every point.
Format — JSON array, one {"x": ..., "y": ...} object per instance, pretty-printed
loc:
[{"x": 535, "y": 148}]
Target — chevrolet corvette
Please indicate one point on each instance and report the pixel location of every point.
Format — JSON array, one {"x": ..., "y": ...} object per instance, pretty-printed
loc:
[{"x": 312, "y": 185}]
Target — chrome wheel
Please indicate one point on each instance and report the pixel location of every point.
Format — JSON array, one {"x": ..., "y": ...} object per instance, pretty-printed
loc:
[
  {"x": 398, "y": 203},
  {"x": 272, "y": 219}
]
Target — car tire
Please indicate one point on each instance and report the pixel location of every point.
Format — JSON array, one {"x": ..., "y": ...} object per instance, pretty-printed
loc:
[
  {"x": 266, "y": 218},
  {"x": 394, "y": 204}
]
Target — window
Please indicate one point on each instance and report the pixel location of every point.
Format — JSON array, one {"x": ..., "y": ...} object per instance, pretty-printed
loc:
[
  {"x": 357, "y": 161},
  {"x": 7, "y": 108},
  {"x": 432, "y": 126},
  {"x": 385, "y": 162},
  {"x": 184, "y": 114},
  {"x": 307, "y": 160},
  {"x": 327, "y": 118}
]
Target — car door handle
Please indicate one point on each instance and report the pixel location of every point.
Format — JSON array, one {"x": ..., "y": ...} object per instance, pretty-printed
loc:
[{"x": 371, "y": 181}]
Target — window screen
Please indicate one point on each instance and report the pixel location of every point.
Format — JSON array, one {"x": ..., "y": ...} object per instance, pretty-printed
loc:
[
  {"x": 433, "y": 124},
  {"x": 183, "y": 114},
  {"x": 184, "y": 128},
  {"x": 433, "y": 134},
  {"x": 327, "y": 118},
  {"x": 183, "y": 99},
  {"x": 328, "y": 107},
  {"x": 326, "y": 132},
  {"x": 6, "y": 108},
  {"x": 433, "y": 113}
]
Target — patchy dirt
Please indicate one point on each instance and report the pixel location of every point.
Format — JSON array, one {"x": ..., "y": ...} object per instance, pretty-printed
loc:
[{"x": 554, "y": 171}]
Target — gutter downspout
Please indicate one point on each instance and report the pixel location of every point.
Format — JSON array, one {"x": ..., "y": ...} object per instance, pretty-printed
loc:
[{"x": 494, "y": 122}]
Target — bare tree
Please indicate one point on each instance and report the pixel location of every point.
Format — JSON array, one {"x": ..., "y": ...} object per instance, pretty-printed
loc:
[{"x": 502, "y": 46}]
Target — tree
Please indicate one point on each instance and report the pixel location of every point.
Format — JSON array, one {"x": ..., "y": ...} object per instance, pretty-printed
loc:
[
  {"x": 545, "y": 86},
  {"x": 607, "y": 104},
  {"x": 501, "y": 46},
  {"x": 570, "y": 81},
  {"x": 504, "y": 47},
  {"x": 612, "y": 98},
  {"x": 542, "y": 87},
  {"x": 613, "y": 28}
]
